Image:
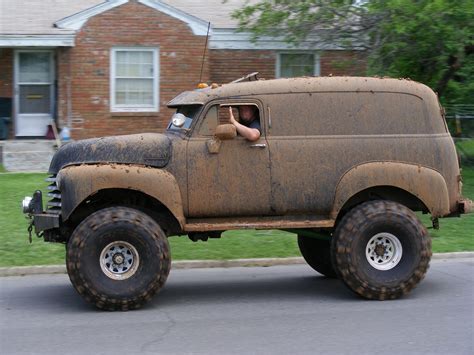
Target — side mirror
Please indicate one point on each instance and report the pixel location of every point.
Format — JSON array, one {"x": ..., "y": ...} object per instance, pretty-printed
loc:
[{"x": 226, "y": 132}]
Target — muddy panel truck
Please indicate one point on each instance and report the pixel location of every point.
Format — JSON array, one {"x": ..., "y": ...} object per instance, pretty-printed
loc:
[{"x": 342, "y": 162}]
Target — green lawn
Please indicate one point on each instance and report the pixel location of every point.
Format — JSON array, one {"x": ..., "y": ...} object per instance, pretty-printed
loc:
[
  {"x": 465, "y": 148},
  {"x": 455, "y": 233},
  {"x": 15, "y": 249}
]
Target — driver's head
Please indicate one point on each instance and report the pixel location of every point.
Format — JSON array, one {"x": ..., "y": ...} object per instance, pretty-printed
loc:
[{"x": 247, "y": 113}]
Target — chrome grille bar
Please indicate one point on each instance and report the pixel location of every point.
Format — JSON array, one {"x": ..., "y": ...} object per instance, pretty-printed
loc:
[{"x": 53, "y": 205}]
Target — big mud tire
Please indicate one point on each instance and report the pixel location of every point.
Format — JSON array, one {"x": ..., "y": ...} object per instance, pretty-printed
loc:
[
  {"x": 317, "y": 253},
  {"x": 118, "y": 258},
  {"x": 381, "y": 250}
]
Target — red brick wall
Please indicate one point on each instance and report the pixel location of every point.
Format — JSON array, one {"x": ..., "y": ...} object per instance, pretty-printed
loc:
[
  {"x": 132, "y": 24},
  {"x": 6, "y": 77},
  {"x": 6, "y": 72},
  {"x": 230, "y": 64},
  {"x": 338, "y": 63}
]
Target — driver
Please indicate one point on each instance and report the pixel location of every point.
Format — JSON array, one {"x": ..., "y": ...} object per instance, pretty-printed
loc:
[{"x": 249, "y": 125}]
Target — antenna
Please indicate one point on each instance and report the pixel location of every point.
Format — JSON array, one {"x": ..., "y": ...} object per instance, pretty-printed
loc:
[
  {"x": 248, "y": 77},
  {"x": 204, "y": 52}
]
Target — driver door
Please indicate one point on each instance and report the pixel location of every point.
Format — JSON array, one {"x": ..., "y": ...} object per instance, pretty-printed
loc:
[{"x": 232, "y": 180}]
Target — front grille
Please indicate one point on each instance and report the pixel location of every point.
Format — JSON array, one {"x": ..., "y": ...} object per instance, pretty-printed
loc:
[{"x": 53, "y": 205}]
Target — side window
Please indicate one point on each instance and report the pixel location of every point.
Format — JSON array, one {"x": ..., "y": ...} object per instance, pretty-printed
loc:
[
  {"x": 294, "y": 64},
  {"x": 134, "y": 79},
  {"x": 210, "y": 122},
  {"x": 219, "y": 114},
  {"x": 224, "y": 117}
]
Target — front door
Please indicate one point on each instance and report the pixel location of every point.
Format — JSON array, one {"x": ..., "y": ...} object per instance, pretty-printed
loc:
[
  {"x": 34, "y": 92},
  {"x": 232, "y": 179}
]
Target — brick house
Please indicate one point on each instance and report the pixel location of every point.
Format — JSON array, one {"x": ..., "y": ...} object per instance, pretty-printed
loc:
[{"x": 109, "y": 67}]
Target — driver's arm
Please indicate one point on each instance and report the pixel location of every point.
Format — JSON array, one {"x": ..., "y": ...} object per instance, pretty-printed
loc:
[{"x": 251, "y": 134}]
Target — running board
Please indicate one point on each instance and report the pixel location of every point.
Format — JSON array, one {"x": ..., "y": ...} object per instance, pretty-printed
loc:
[{"x": 274, "y": 222}]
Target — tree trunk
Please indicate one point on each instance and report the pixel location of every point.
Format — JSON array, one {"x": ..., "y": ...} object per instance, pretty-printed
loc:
[{"x": 454, "y": 65}]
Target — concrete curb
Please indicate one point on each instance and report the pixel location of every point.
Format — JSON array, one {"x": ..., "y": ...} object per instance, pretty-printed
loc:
[
  {"x": 195, "y": 264},
  {"x": 455, "y": 255}
]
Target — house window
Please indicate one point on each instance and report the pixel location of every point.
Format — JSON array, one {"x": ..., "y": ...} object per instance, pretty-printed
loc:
[
  {"x": 297, "y": 64},
  {"x": 134, "y": 79}
]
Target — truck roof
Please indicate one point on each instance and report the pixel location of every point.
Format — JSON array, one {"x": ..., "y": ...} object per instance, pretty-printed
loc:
[{"x": 302, "y": 84}]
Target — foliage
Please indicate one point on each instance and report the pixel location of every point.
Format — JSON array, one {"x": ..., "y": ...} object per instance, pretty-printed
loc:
[
  {"x": 465, "y": 149},
  {"x": 431, "y": 41}
]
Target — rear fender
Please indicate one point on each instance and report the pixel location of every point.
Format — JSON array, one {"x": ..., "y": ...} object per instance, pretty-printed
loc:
[{"x": 426, "y": 184}]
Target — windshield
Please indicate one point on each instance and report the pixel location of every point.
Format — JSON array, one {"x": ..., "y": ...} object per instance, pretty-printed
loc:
[{"x": 189, "y": 112}]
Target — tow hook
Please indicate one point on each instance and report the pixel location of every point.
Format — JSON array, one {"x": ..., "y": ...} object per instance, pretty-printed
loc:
[
  {"x": 31, "y": 206},
  {"x": 30, "y": 229}
]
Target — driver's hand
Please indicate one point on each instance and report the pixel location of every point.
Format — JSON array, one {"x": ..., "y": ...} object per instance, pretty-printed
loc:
[{"x": 231, "y": 115}]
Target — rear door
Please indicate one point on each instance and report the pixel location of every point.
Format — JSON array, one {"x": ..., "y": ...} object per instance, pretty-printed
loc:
[{"x": 304, "y": 162}]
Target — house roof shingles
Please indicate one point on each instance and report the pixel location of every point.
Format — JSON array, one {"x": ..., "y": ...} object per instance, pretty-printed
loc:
[
  {"x": 215, "y": 11},
  {"x": 37, "y": 17}
]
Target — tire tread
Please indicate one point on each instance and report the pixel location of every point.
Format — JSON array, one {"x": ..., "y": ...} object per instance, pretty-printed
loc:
[
  {"x": 76, "y": 246},
  {"x": 342, "y": 254}
]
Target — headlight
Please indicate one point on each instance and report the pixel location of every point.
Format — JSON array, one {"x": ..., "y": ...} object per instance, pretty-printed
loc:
[{"x": 26, "y": 204}]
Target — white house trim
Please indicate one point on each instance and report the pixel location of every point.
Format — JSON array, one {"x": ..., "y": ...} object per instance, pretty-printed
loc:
[
  {"x": 197, "y": 25},
  {"x": 114, "y": 107},
  {"x": 316, "y": 64},
  {"x": 230, "y": 38},
  {"x": 75, "y": 22},
  {"x": 64, "y": 40}
]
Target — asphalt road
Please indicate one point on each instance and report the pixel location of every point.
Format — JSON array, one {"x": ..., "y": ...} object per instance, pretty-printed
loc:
[{"x": 274, "y": 310}]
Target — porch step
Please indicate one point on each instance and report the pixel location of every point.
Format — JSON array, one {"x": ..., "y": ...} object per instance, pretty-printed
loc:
[{"x": 27, "y": 155}]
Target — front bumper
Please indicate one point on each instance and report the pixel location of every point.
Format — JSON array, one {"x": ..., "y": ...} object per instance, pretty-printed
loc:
[
  {"x": 41, "y": 220},
  {"x": 466, "y": 206},
  {"x": 44, "y": 222}
]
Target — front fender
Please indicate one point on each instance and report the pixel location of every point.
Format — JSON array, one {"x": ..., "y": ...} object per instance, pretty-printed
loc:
[
  {"x": 425, "y": 183},
  {"x": 77, "y": 183}
]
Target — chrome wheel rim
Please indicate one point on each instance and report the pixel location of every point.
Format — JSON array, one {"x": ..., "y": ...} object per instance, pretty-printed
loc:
[
  {"x": 384, "y": 251},
  {"x": 119, "y": 260}
]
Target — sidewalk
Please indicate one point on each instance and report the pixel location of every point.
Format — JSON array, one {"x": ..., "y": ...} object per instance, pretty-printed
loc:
[{"x": 195, "y": 264}]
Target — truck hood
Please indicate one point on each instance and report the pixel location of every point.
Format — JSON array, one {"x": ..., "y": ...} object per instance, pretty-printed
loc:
[{"x": 151, "y": 149}]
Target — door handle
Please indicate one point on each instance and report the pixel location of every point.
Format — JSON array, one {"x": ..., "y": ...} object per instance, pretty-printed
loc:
[{"x": 258, "y": 145}]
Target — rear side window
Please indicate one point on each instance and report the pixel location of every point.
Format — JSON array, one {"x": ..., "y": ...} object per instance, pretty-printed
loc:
[{"x": 347, "y": 113}]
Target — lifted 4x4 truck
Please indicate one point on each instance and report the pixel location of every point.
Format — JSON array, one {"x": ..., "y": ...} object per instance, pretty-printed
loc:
[{"x": 341, "y": 162}]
